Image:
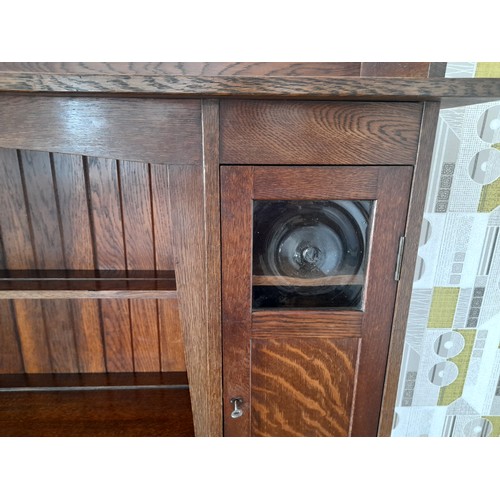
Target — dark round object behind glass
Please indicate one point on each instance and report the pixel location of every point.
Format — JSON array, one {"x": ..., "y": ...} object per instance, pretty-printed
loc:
[{"x": 310, "y": 240}]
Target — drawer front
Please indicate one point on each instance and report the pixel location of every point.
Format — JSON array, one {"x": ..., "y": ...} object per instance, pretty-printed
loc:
[{"x": 319, "y": 133}]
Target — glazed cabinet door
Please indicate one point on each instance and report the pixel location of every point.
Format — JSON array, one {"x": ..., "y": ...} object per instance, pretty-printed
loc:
[{"x": 308, "y": 289}]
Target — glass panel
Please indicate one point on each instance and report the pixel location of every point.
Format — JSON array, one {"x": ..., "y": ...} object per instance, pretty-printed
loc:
[{"x": 310, "y": 253}]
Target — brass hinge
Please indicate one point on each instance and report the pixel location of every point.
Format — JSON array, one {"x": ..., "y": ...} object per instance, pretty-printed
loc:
[{"x": 399, "y": 260}]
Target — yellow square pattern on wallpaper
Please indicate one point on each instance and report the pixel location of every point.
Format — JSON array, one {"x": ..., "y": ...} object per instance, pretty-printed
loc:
[
  {"x": 487, "y": 70},
  {"x": 444, "y": 303}
]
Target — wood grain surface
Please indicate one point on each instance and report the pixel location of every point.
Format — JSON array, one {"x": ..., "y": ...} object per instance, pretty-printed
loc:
[
  {"x": 31, "y": 382},
  {"x": 140, "y": 253},
  {"x": 18, "y": 254},
  {"x": 395, "y": 69},
  {"x": 201, "y": 340},
  {"x": 11, "y": 360},
  {"x": 190, "y": 68},
  {"x": 74, "y": 225},
  {"x": 236, "y": 213},
  {"x": 261, "y": 280},
  {"x": 71, "y": 225},
  {"x": 149, "y": 130},
  {"x": 389, "y": 187},
  {"x": 304, "y": 323},
  {"x": 93, "y": 413},
  {"x": 293, "y": 87},
  {"x": 102, "y": 213},
  {"x": 172, "y": 357},
  {"x": 390, "y": 221},
  {"x": 320, "y": 133},
  {"x": 171, "y": 343},
  {"x": 107, "y": 224},
  {"x": 31, "y": 290},
  {"x": 315, "y": 183},
  {"x": 302, "y": 387},
  {"x": 211, "y": 181},
  {"x": 31, "y": 329}
]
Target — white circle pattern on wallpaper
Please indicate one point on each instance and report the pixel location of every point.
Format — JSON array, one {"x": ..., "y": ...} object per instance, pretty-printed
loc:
[
  {"x": 479, "y": 427},
  {"x": 444, "y": 373},
  {"x": 449, "y": 344},
  {"x": 488, "y": 125},
  {"x": 484, "y": 167},
  {"x": 425, "y": 232}
]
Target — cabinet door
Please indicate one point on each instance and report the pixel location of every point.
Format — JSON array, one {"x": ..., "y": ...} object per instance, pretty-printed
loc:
[{"x": 308, "y": 273}]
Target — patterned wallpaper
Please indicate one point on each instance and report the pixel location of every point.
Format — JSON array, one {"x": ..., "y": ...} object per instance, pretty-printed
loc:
[{"x": 450, "y": 376}]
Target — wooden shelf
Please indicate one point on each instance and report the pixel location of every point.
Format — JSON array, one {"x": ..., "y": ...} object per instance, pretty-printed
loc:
[
  {"x": 119, "y": 404},
  {"x": 70, "y": 284},
  {"x": 289, "y": 281},
  {"x": 304, "y": 87},
  {"x": 34, "y": 382}
]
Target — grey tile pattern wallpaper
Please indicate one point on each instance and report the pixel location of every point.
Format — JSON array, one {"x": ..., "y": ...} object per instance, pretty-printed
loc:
[{"x": 450, "y": 376}]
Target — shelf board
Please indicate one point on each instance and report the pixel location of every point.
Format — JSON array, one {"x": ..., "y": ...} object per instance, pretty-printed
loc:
[
  {"x": 258, "y": 280},
  {"x": 75, "y": 284},
  {"x": 303, "y": 87},
  {"x": 95, "y": 404},
  {"x": 29, "y": 382}
]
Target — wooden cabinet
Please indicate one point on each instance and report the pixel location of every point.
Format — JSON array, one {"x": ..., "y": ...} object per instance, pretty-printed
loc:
[
  {"x": 120, "y": 305},
  {"x": 304, "y": 359}
]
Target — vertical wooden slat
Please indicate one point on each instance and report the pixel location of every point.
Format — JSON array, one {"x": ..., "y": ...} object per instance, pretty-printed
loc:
[
  {"x": 18, "y": 254},
  {"x": 118, "y": 341},
  {"x": 10, "y": 355},
  {"x": 31, "y": 329},
  {"x": 11, "y": 360},
  {"x": 171, "y": 344},
  {"x": 139, "y": 245},
  {"x": 164, "y": 253},
  {"x": 88, "y": 334},
  {"x": 110, "y": 254},
  {"x": 48, "y": 249},
  {"x": 14, "y": 222},
  {"x": 78, "y": 253}
]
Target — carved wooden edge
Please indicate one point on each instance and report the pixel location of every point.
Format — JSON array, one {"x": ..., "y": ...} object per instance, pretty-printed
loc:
[
  {"x": 413, "y": 225},
  {"x": 250, "y": 86}
]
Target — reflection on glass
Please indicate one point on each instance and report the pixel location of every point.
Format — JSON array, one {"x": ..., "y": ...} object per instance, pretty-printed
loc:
[{"x": 310, "y": 253}]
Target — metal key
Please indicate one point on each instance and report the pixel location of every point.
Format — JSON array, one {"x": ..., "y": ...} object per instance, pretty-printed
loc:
[{"x": 237, "y": 411}]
